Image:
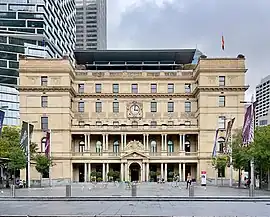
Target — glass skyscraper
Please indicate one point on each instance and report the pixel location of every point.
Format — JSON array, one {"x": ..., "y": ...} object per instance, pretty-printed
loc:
[{"x": 33, "y": 28}]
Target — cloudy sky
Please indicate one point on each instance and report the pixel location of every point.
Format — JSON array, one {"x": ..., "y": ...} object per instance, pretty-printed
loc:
[{"x": 245, "y": 25}]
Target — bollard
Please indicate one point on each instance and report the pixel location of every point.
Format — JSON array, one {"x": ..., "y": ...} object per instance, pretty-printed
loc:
[
  {"x": 12, "y": 187},
  {"x": 134, "y": 190},
  {"x": 191, "y": 190},
  {"x": 251, "y": 190},
  {"x": 68, "y": 190}
]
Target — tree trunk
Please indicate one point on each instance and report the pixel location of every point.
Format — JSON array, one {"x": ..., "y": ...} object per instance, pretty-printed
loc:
[
  {"x": 260, "y": 177},
  {"x": 239, "y": 178}
]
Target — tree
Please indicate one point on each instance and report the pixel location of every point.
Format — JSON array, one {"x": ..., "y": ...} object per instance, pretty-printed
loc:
[
  {"x": 33, "y": 149},
  {"x": 10, "y": 138},
  {"x": 43, "y": 164}
]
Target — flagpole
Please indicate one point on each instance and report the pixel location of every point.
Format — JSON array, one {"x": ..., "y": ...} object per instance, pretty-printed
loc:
[
  {"x": 252, "y": 160},
  {"x": 28, "y": 155},
  {"x": 231, "y": 160},
  {"x": 50, "y": 154}
]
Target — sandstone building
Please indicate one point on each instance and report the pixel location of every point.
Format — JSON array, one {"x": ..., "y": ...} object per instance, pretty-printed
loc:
[{"x": 145, "y": 114}]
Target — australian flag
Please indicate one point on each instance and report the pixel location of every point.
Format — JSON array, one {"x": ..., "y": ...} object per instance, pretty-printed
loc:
[{"x": 2, "y": 116}]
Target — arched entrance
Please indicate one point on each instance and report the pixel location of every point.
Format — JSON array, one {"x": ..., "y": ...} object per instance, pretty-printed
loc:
[{"x": 135, "y": 170}]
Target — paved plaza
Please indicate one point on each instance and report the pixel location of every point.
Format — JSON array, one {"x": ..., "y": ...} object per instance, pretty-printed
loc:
[
  {"x": 144, "y": 189},
  {"x": 111, "y": 208}
]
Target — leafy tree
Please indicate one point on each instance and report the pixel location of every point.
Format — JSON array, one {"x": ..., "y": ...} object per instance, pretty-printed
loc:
[
  {"x": 10, "y": 138},
  {"x": 220, "y": 162},
  {"x": 42, "y": 164},
  {"x": 33, "y": 149}
]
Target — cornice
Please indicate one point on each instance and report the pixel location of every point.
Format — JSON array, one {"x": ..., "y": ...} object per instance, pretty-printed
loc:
[
  {"x": 48, "y": 89},
  {"x": 220, "y": 89},
  {"x": 130, "y": 95}
]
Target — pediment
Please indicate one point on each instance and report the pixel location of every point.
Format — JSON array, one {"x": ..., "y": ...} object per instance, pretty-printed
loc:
[
  {"x": 134, "y": 146},
  {"x": 135, "y": 155}
]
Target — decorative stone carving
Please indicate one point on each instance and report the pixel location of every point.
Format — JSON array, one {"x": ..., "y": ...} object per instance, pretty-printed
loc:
[
  {"x": 56, "y": 80},
  {"x": 212, "y": 79},
  {"x": 33, "y": 79},
  {"x": 232, "y": 77},
  {"x": 134, "y": 146},
  {"x": 134, "y": 110}
]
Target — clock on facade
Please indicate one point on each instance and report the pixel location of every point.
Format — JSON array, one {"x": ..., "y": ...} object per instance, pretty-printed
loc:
[{"x": 134, "y": 110}]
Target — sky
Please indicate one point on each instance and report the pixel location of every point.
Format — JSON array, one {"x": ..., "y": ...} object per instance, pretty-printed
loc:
[{"x": 245, "y": 24}]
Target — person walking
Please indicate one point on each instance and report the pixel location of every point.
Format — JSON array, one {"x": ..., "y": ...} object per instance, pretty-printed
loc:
[{"x": 188, "y": 180}]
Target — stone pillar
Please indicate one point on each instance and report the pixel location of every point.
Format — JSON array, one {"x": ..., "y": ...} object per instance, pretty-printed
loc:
[
  {"x": 125, "y": 140},
  {"x": 89, "y": 172},
  {"x": 147, "y": 142},
  {"x": 122, "y": 172},
  {"x": 161, "y": 171},
  {"x": 180, "y": 143},
  {"x": 144, "y": 144},
  {"x": 71, "y": 173},
  {"x": 89, "y": 142},
  {"x": 143, "y": 172},
  {"x": 165, "y": 176},
  {"x": 85, "y": 172},
  {"x": 122, "y": 142},
  {"x": 184, "y": 140},
  {"x": 107, "y": 142},
  {"x": 162, "y": 142},
  {"x": 147, "y": 172},
  {"x": 165, "y": 141},
  {"x": 104, "y": 142},
  {"x": 180, "y": 172},
  {"x": 126, "y": 172},
  {"x": 184, "y": 172},
  {"x": 103, "y": 172},
  {"x": 107, "y": 170},
  {"x": 85, "y": 142}
]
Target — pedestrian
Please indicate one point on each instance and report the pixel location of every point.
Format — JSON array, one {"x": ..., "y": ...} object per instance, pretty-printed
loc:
[{"x": 188, "y": 180}]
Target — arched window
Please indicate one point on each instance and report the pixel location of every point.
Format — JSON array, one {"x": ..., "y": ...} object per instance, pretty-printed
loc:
[
  {"x": 98, "y": 146},
  {"x": 81, "y": 146},
  {"x": 221, "y": 145},
  {"x": 187, "y": 146},
  {"x": 116, "y": 146},
  {"x": 153, "y": 145},
  {"x": 43, "y": 144},
  {"x": 170, "y": 146}
]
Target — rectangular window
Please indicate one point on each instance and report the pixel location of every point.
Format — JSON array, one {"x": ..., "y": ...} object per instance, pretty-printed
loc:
[
  {"x": 221, "y": 101},
  {"x": 44, "y": 101},
  {"x": 153, "y": 106},
  {"x": 80, "y": 106},
  {"x": 81, "y": 88},
  {"x": 187, "y": 106},
  {"x": 221, "y": 80},
  {"x": 221, "y": 122},
  {"x": 44, "y": 123},
  {"x": 153, "y": 88},
  {"x": 187, "y": 88},
  {"x": 115, "y": 88},
  {"x": 98, "y": 107},
  {"x": 115, "y": 107},
  {"x": 134, "y": 88},
  {"x": 170, "y": 106},
  {"x": 170, "y": 88},
  {"x": 98, "y": 88},
  {"x": 44, "y": 80}
]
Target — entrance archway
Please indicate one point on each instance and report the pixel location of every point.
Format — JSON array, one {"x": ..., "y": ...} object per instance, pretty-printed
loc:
[{"x": 135, "y": 170}]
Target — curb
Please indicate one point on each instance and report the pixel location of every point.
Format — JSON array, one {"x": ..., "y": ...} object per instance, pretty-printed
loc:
[{"x": 138, "y": 198}]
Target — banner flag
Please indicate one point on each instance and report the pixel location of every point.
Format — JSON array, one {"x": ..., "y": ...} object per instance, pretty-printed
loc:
[
  {"x": 214, "y": 153},
  {"x": 48, "y": 144},
  {"x": 24, "y": 136},
  {"x": 2, "y": 116},
  {"x": 229, "y": 132},
  {"x": 248, "y": 127}
]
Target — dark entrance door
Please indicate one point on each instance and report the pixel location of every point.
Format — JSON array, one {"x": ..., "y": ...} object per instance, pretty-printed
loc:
[{"x": 135, "y": 171}]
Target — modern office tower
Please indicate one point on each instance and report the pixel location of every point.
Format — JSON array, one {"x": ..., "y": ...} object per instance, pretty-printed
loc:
[
  {"x": 146, "y": 114},
  {"x": 91, "y": 24},
  {"x": 36, "y": 29},
  {"x": 263, "y": 102}
]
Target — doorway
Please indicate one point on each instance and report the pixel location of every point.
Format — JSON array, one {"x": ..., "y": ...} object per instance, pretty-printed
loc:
[{"x": 134, "y": 172}]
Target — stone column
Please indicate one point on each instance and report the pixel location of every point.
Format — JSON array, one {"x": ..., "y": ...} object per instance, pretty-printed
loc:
[
  {"x": 180, "y": 172},
  {"x": 161, "y": 171},
  {"x": 165, "y": 141},
  {"x": 180, "y": 142},
  {"x": 184, "y": 140},
  {"x": 147, "y": 142},
  {"x": 122, "y": 142},
  {"x": 103, "y": 172},
  {"x": 144, "y": 144},
  {"x": 103, "y": 142},
  {"x": 71, "y": 173},
  {"x": 107, "y": 142},
  {"x": 85, "y": 172},
  {"x": 125, "y": 140},
  {"x": 165, "y": 176},
  {"x": 107, "y": 170},
  {"x": 126, "y": 172},
  {"x": 147, "y": 172},
  {"x": 85, "y": 142},
  {"x": 143, "y": 172},
  {"x": 184, "y": 172},
  {"x": 89, "y": 172},
  {"x": 162, "y": 142},
  {"x": 122, "y": 172},
  {"x": 89, "y": 142}
]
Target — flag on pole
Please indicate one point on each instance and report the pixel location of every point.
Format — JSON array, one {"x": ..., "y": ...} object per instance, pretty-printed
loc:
[
  {"x": 24, "y": 135},
  {"x": 214, "y": 153},
  {"x": 48, "y": 144},
  {"x": 2, "y": 116},
  {"x": 229, "y": 130},
  {"x": 222, "y": 43},
  {"x": 248, "y": 127}
]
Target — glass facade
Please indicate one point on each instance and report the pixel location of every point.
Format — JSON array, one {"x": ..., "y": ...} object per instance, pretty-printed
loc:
[
  {"x": 91, "y": 24},
  {"x": 33, "y": 28}
]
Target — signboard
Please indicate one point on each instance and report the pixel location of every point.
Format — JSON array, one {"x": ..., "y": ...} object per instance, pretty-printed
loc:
[{"x": 203, "y": 178}]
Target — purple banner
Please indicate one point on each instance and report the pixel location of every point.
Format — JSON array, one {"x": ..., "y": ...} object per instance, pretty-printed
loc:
[
  {"x": 2, "y": 116},
  {"x": 248, "y": 127}
]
